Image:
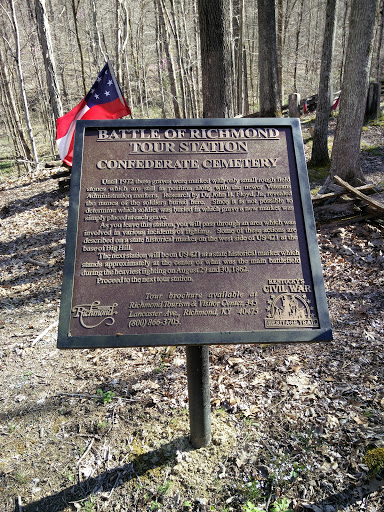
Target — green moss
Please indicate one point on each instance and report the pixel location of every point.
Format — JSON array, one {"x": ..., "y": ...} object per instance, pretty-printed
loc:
[
  {"x": 316, "y": 173},
  {"x": 374, "y": 459},
  {"x": 377, "y": 122},
  {"x": 373, "y": 150},
  {"x": 6, "y": 168},
  {"x": 309, "y": 120}
]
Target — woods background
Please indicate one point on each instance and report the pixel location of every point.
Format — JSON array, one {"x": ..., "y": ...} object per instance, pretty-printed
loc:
[{"x": 51, "y": 51}]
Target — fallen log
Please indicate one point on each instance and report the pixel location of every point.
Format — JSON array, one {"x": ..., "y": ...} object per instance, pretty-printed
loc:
[
  {"x": 378, "y": 205},
  {"x": 330, "y": 195}
]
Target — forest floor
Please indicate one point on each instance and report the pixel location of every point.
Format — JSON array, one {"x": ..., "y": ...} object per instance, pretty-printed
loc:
[{"x": 108, "y": 429}]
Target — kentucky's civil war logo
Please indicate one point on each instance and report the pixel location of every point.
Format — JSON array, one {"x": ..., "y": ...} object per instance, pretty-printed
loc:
[
  {"x": 86, "y": 312},
  {"x": 290, "y": 310}
]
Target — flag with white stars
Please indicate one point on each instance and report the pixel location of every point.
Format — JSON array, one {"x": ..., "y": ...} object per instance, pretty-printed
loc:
[{"x": 103, "y": 101}]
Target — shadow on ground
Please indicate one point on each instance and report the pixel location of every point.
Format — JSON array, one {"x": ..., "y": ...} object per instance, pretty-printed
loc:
[{"x": 107, "y": 481}]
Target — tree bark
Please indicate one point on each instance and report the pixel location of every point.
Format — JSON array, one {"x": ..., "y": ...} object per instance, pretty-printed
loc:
[
  {"x": 345, "y": 160},
  {"x": 173, "y": 23},
  {"x": 169, "y": 61},
  {"x": 298, "y": 30},
  {"x": 279, "y": 43},
  {"x": 94, "y": 36},
  {"x": 48, "y": 57},
  {"x": 320, "y": 154},
  {"x": 196, "y": 57},
  {"x": 159, "y": 66},
  {"x": 13, "y": 114},
  {"x": 270, "y": 103},
  {"x": 237, "y": 23},
  {"x": 74, "y": 12},
  {"x": 190, "y": 69},
  {"x": 216, "y": 62},
  {"x": 379, "y": 41},
  {"x": 22, "y": 86},
  {"x": 344, "y": 41}
]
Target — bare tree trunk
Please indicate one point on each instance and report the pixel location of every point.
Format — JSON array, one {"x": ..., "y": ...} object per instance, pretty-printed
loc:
[
  {"x": 95, "y": 36},
  {"x": 190, "y": 70},
  {"x": 22, "y": 86},
  {"x": 320, "y": 154},
  {"x": 74, "y": 12},
  {"x": 169, "y": 61},
  {"x": 117, "y": 40},
  {"x": 379, "y": 41},
  {"x": 345, "y": 161},
  {"x": 344, "y": 40},
  {"x": 196, "y": 56},
  {"x": 48, "y": 57},
  {"x": 236, "y": 27},
  {"x": 215, "y": 58},
  {"x": 159, "y": 66},
  {"x": 124, "y": 43},
  {"x": 10, "y": 127},
  {"x": 47, "y": 119},
  {"x": 253, "y": 74},
  {"x": 298, "y": 30},
  {"x": 240, "y": 60},
  {"x": 117, "y": 27},
  {"x": 279, "y": 43},
  {"x": 134, "y": 59},
  {"x": 141, "y": 68},
  {"x": 127, "y": 67},
  {"x": 245, "y": 84},
  {"x": 13, "y": 114},
  {"x": 270, "y": 103},
  {"x": 173, "y": 23}
]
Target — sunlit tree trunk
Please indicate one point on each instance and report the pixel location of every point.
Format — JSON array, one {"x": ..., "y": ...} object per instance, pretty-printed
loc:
[
  {"x": 279, "y": 44},
  {"x": 379, "y": 42},
  {"x": 75, "y": 7},
  {"x": 345, "y": 160},
  {"x": 159, "y": 61},
  {"x": 22, "y": 85},
  {"x": 270, "y": 103},
  {"x": 174, "y": 26},
  {"x": 169, "y": 60},
  {"x": 94, "y": 39},
  {"x": 344, "y": 40},
  {"x": 320, "y": 154},
  {"x": 48, "y": 57},
  {"x": 216, "y": 62},
  {"x": 196, "y": 57},
  {"x": 240, "y": 67},
  {"x": 298, "y": 31},
  {"x": 118, "y": 37},
  {"x": 8, "y": 100},
  {"x": 190, "y": 69}
]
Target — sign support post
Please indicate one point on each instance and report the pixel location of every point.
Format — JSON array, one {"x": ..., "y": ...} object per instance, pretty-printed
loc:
[{"x": 199, "y": 395}]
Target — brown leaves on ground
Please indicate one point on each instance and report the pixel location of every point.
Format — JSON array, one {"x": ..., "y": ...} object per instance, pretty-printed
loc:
[{"x": 289, "y": 422}]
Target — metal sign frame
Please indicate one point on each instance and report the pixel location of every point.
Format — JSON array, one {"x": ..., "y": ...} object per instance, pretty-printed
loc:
[{"x": 302, "y": 199}]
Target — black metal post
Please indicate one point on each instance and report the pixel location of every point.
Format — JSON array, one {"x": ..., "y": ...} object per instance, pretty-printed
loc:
[{"x": 199, "y": 394}]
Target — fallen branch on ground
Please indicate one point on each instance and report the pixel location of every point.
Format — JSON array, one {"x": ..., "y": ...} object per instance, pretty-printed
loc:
[
  {"x": 54, "y": 324},
  {"x": 330, "y": 195},
  {"x": 356, "y": 192}
]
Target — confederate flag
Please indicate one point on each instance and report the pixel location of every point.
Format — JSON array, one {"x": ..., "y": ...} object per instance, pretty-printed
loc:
[
  {"x": 336, "y": 104},
  {"x": 103, "y": 101}
]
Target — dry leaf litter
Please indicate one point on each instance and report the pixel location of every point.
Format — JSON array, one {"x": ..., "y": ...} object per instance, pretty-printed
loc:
[{"x": 290, "y": 423}]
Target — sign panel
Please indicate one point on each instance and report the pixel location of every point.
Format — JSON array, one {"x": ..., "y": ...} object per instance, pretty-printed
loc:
[{"x": 190, "y": 232}]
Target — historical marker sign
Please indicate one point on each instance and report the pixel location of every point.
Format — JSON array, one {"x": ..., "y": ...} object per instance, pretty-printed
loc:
[{"x": 191, "y": 232}]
